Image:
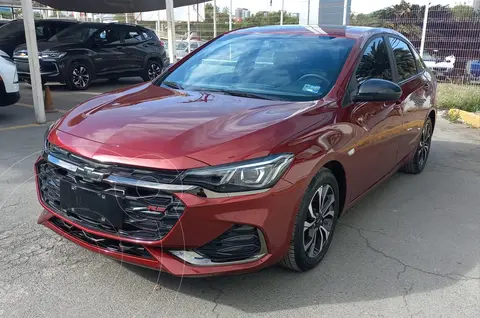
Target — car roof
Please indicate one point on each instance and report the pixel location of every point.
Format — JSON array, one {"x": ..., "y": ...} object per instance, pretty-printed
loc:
[{"x": 354, "y": 32}]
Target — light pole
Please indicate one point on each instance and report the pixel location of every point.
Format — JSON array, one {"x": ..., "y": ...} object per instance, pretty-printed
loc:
[
  {"x": 424, "y": 28},
  {"x": 188, "y": 28},
  {"x": 281, "y": 12},
  {"x": 308, "y": 13},
  {"x": 230, "y": 17},
  {"x": 171, "y": 30},
  {"x": 214, "y": 18}
]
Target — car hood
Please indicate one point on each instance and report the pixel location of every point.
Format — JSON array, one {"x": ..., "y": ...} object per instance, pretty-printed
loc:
[
  {"x": 148, "y": 120},
  {"x": 51, "y": 46}
]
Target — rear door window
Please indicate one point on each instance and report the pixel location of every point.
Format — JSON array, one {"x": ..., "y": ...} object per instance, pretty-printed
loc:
[
  {"x": 375, "y": 62},
  {"x": 406, "y": 64},
  {"x": 131, "y": 35}
]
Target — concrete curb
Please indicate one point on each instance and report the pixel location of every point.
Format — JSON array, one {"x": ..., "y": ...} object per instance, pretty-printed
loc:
[{"x": 471, "y": 119}]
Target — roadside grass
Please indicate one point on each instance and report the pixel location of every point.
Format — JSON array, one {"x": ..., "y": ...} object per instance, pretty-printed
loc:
[{"x": 464, "y": 97}]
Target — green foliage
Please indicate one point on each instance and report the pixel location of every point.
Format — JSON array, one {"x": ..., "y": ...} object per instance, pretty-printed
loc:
[{"x": 464, "y": 97}]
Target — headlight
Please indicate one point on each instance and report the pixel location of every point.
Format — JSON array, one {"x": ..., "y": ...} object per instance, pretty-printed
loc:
[
  {"x": 249, "y": 175},
  {"x": 46, "y": 143},
  {"x": 52, "y": 55}
]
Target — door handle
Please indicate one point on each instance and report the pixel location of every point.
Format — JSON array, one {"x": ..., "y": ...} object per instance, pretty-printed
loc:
[
  {"x": 426, "y": 86},
  {"x": 146, "y": 45},
  {"x": 119, "y": 47}
]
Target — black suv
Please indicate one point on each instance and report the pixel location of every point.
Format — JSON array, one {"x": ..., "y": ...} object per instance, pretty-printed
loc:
[
  {"x": 87, "y": 51},
  {"x": 12, "y": 33}
]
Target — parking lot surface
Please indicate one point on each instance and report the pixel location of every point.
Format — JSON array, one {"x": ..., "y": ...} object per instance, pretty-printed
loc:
[{"x": 409, "y": 248}]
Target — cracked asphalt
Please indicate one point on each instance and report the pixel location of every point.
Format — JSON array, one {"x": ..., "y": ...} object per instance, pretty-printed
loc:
[{"x": 409, "y": 248}]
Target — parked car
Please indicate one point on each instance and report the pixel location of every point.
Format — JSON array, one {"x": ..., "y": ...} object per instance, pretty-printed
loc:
[
  {"x": 442, "y": 68},
  {"x": 182, "y": 48},
  {"x": 9, "y": 86},
  {"x": 87, "y": 51},
  {"x": 225, "y": 165},
  {"x": 12, "y": 34}
]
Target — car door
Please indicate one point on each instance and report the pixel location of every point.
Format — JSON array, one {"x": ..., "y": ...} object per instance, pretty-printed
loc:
[
  {"x": 416, "y": 86},
  {"x": 375, "y": 123},
  {"x": 135, "y": 47},
  {"x": 110, "y": 58}
]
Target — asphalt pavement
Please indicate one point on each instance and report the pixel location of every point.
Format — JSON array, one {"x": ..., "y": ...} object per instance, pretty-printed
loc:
[{"x": 411, "y": 248}]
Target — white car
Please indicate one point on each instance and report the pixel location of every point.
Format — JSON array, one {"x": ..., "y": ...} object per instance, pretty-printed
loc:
[
  {"x": 9, "y": 86},
  {"x": 440, "y": 68}
]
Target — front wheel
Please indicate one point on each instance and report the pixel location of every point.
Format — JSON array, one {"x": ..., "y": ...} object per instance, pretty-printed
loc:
[
  {"x": 79, "y": 77},
  {"x": 314, "y": 224},
  {"x": 153, "y": 69},
  {"x": 419, "y": 160}
]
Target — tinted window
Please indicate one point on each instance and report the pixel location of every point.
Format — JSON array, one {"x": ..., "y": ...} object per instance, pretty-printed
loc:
[
  {"x": 375, "y": 62},
  {"x": 108, "y": 36},
  {"x": 131, "y": 35},
  {"x": 11, "y": 29},
  {"x": 297, "y": 67},
  {"x": 76, "y": 34},
  {"x": 418, "y": 60},
  {"x": 406, "y": 64}
]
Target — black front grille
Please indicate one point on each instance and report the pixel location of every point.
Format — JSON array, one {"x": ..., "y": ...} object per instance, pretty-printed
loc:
[
  {"x": 239, "y": 243},
  {"x": 159, "y": 176},
  {"x": 101, "y": 242},
  {"x": 147, "y": 214}
]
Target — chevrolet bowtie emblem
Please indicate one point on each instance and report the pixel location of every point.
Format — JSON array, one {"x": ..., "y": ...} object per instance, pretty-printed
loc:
[{"x": 89, "y": 173}]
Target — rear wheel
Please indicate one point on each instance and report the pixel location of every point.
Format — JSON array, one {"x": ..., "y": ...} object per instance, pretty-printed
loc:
[
  {"x": 314, "y": 224},
  {"x": 79, "y": 76},
  {"x": 419, "y": 160},
  {"x": 152, "y": 70}
]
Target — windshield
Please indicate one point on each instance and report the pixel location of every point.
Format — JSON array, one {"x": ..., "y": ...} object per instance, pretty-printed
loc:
[
  {"x": 281, "y": 66},
  {"x": 11, "y": 29},
  {"x": 76, "y": 34}
]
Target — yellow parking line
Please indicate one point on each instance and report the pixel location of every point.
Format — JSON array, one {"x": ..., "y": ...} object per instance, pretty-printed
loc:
[
  {"x": 30, "y": 106},
  {"x": 24, "y": 126}
]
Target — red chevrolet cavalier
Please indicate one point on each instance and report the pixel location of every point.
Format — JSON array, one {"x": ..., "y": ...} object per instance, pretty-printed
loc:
[{"x": 242, "y": 155}]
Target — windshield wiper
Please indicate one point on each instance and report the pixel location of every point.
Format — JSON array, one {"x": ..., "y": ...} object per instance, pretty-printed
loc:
[
  {"x": 241, "y": 94},
  {"x": 172, "y": 85}
]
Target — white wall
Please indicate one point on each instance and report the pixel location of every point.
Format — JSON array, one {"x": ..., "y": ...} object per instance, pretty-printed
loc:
[{"x": 303, "y": 10}]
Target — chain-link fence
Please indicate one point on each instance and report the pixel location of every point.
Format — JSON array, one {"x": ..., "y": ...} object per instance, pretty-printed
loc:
[
  {"x": 451, "y": 40},
  {"x": 450, "y": 43}
]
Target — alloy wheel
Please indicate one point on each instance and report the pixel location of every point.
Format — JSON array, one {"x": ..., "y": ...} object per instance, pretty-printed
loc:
[
  {"x": 154, "y": 71},
  {"x": 319, "y": 222},
  {"x": 81, "y": 77},
  {"x": 424, "y": 146}
]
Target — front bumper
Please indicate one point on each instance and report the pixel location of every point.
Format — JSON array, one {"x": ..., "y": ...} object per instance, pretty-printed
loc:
[
  {"x": 203, "y": 222},
  {"x": 9, "y": 98},
  {"x": 50, "y": 70}
]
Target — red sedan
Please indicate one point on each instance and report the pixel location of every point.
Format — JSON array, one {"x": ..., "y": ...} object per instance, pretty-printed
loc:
[{"x": 242, "y": 155}]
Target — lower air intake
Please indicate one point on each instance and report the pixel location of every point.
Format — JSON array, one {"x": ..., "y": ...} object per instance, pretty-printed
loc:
[{"x": 239, "y": 243}]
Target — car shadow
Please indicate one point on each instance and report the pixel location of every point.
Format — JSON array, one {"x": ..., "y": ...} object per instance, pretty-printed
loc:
[{"x": 412, "y": 234}]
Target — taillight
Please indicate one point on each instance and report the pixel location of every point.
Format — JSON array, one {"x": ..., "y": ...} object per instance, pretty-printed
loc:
[{"x": 162, "y": 43}]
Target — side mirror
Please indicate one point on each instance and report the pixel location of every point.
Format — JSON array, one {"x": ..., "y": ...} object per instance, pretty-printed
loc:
[{"x": 377, "y": 90}]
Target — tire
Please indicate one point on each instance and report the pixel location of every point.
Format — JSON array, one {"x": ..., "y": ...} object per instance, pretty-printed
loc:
[
  {"x": 152, "y": 70},
  {"x": 300, "y": 257},
  {"x": 419, "y": 160},
  {"x": 79, "y": 76}
]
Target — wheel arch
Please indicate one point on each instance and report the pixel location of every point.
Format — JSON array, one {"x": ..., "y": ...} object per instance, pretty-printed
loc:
[
  {"x": 152, "y": 57},
  {"x": 338, "y": 171},
  {"x": 86, "y": 60},
  {"x": 433, "y": 116}
]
